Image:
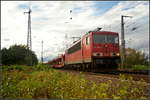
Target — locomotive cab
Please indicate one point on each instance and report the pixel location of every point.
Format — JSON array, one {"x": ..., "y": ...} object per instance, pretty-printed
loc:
[{"x": 105, "y": 48}]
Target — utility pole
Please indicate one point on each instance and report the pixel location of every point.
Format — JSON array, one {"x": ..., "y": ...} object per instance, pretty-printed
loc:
[
  {"x": 123, "y": 41},
  {"x": 0, "y": 52},
  {"x": 29, "y": 40},
  {"x": 42, "y": 52}
]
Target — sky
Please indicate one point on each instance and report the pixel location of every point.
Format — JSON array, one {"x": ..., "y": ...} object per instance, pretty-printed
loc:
[{"x": 50, "y": 22}]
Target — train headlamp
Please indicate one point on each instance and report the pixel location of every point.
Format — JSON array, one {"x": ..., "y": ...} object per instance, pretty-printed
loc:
[
  {"x": 94, "y": 54},
  {"x": 118, "y": 54},
  {"x": 115, "y": 54},
  {"x": 97, "y": 54}
]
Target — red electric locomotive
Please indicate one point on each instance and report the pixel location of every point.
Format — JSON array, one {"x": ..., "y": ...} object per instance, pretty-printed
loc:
[{"x": 95, "y": 50}]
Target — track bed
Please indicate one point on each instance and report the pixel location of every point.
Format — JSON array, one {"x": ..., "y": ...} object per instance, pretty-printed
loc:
[{"x": 112, "y": 75}]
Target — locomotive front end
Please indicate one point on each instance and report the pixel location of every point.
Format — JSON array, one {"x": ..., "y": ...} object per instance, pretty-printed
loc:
[{"x": 105, "y": 48}]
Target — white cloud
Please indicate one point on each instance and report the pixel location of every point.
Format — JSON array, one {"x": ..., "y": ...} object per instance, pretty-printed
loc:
[{"x": 49, "y": 17}]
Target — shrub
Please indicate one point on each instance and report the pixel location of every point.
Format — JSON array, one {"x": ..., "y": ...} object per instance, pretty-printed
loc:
[
  {"x": 18, "y": 54},
  {"x": 134, "y": 57}
]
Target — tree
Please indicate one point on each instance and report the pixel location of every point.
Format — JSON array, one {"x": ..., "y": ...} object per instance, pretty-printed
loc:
[
  {"x": 18, "y": 54},
  {"x": 134, "y": 57}
]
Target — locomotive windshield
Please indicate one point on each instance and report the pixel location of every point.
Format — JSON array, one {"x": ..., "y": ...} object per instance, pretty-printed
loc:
[{"x": 105, "y": 38}]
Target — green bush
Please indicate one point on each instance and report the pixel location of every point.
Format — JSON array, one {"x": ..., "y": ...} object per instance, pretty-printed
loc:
[
  {"x": 18, "y": 54},
  {"x": 134, "y": 57}
]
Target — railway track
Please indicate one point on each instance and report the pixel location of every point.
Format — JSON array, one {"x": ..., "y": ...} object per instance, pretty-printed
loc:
[
  {"x": 140, "y": 72},
  {"x": 114, "y": 71},
  {"x": 136, "y": 75}
]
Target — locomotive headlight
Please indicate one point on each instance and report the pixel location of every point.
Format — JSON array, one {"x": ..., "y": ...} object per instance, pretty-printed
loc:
[
  {"x": 118, "y": 54},
  {"x": 94, "y": 54},
  {"x": 101, "y": 54},
  {"x": 115, "y": 54},
  {"x": 112, "y": 54},
  {"x": 97, "y": 54}
]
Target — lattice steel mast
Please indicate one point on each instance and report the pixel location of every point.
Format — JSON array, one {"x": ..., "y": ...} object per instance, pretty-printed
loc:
[
  {"x": 29, "y": 39},
  {"x": 42, "y": 52}
]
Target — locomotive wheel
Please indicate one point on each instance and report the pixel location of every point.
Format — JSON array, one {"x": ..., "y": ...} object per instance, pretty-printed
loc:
[
  {"x": 83, "y": 67},
  {"x": 87, "y": 68},
  {"x": 93, "y": 67},
  {"x": 90, "y": 67},
  {"x": 79, "y": 67}
]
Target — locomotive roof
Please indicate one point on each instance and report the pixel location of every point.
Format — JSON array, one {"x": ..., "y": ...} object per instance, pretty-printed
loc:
[
  {"x": 107, "y": 32},
  {"x": 74, "y": 43}
]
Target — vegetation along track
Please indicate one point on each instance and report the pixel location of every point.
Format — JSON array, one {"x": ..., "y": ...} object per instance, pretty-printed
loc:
[
  {"x": 114, "y": 78},
  {"x": 119, "y": 71}
]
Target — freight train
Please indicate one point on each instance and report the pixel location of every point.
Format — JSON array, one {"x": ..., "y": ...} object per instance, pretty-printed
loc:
[{"x": 95, "y": 50}]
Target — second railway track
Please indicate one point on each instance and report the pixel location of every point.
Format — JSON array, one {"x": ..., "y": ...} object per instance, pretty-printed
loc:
[{"x": 137, "y": 76}]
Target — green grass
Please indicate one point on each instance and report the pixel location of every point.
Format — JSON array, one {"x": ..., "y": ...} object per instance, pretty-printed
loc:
[
  {"x": 140, "y": 67},
  {"x": 136, "y": 67},
  {"x": 43, "y": 82}
]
